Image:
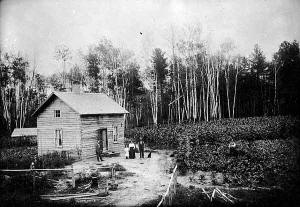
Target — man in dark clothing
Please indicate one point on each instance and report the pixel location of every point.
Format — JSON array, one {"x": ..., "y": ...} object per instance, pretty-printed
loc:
[
  {"x": 141, "y": 148},
  {"x": 99, "y": 150}
]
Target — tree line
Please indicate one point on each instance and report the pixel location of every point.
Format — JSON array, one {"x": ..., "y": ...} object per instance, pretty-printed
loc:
[
  {"x": 196, "y": 85},
  {"x": 190, "y": 84}
]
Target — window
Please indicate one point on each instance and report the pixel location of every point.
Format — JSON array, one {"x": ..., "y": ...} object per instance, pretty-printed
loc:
[
  {"x": 115, "y": 133},
  {"x": 56, "y": 113},
  {"x": 58, "y": 138}
]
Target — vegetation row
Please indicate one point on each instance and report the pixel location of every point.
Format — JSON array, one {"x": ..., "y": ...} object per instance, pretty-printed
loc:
[
  {"x": 265, "y": 154},
  {"x": 219, "y": 131},
  {"x": 22, "y": 157}
]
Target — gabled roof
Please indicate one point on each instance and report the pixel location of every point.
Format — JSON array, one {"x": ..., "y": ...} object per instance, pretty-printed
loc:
[
  {"x": 85, "y": 103},
  {"x": 20, "y": 132}
]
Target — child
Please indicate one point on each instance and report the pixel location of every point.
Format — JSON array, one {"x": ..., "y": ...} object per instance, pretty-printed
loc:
[{"x": 126, "y": 151}]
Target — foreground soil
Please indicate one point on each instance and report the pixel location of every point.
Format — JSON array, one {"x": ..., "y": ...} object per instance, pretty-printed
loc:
[{"x": 143, "y": 182}]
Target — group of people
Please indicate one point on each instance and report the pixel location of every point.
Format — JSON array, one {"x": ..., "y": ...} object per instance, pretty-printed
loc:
[{"x": 130, "y": 149}]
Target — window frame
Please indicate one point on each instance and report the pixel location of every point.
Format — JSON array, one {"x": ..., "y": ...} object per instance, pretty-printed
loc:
[
  {"x": 57, "y": 138},
  {"x": 56, "y": 112},
  {"x": 115, "y": 134}
]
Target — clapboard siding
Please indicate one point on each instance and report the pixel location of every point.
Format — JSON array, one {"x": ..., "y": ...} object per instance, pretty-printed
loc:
[
  {"x": 89, "y": 133},
  {"x": 69, "y": 122}
]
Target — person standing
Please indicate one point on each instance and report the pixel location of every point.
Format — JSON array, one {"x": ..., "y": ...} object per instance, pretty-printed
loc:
[
  {"x": 99, "y": 150},
  {"x": 126, "y": 151},
  {"x": 131, "y": 150},
  {"x": 141, "y": 147}
]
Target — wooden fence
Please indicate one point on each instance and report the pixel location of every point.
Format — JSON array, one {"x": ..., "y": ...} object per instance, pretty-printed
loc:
[{"x": 167, "y": 198}]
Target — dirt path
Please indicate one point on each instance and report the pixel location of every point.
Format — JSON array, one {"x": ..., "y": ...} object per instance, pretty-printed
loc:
[{"x": 148, "y": 181}]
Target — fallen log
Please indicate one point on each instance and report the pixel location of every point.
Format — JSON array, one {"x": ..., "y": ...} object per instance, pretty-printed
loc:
[
  {"x": 67, "y": 196},
  {"x": 91, "y": 197},
  {"x": 242, "y": 188},
  {"x": 70, "y": 194}
]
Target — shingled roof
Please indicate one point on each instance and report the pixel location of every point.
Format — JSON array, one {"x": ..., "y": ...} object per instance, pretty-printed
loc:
[{"x": 85, "y": 103}]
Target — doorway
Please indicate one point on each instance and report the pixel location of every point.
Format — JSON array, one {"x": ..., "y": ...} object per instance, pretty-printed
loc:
[{"x": 102, "y": 136}]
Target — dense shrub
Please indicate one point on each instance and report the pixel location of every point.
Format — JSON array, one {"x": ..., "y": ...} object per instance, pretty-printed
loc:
[
  {"x": 266, "y": 152},
  {"x": 160, "y": 137},
  {"x": 17, "y": 158},
  {"x": 219, "y": 131},
  {"x": 54, "y": 160},
  {"x": 22, "y": 157},
  {"x": 261, "y": 162},
  {"x": 9, "y": 142}
]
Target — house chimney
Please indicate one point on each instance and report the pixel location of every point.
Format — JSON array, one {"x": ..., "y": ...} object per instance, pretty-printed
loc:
[{"x": 76, "y": 88}]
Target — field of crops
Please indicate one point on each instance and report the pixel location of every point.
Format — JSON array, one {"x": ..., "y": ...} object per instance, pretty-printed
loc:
[{"x": 266, "y": 151}]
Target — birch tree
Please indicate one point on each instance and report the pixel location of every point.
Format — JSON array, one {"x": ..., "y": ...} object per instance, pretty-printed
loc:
[
  {"x": 226, "y": 49},
  {"x": 63, "y": 54}
]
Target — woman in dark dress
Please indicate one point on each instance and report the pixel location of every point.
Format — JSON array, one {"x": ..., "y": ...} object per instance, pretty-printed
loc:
[{"x": 131, "y": 150}]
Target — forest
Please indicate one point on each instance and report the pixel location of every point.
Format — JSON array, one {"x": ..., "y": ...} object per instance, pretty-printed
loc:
[{"x": 190, "y": 84}]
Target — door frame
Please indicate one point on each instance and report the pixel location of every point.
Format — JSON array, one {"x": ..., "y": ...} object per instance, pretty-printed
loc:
[{"x": 104, "y": 140}]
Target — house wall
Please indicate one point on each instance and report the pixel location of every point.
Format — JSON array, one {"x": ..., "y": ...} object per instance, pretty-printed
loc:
[
  {"x": 90, "y": 126},
  {"x": 69, "y": 122}
]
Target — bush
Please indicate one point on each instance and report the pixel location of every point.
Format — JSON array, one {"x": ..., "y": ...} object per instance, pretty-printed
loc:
[
  {"x": 265, "y": 154},
  {"x": 17, "y": 158},
  {"x": 9, "y": 142},
  {"x": 22, "y": 157},
  {"x": 54, "y": 160},
  {"x": 219, "y": 131},
  {"x": 260, "y": 162}
]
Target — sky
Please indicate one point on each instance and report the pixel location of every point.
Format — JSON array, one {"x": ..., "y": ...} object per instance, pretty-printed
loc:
[{"x": 36, "y": 27}]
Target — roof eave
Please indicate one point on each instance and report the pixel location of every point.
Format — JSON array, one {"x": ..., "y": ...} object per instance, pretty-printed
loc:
[
  {"x": 86, "y": 114},
  {"x": 36, "y": 112}
]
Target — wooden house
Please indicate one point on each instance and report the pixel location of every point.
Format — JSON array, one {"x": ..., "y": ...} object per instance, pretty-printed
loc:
[{"x": 74, "y": 121}]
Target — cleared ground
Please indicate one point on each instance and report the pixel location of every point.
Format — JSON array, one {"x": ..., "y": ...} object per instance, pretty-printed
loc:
[{"x": 144, "y": 180}]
